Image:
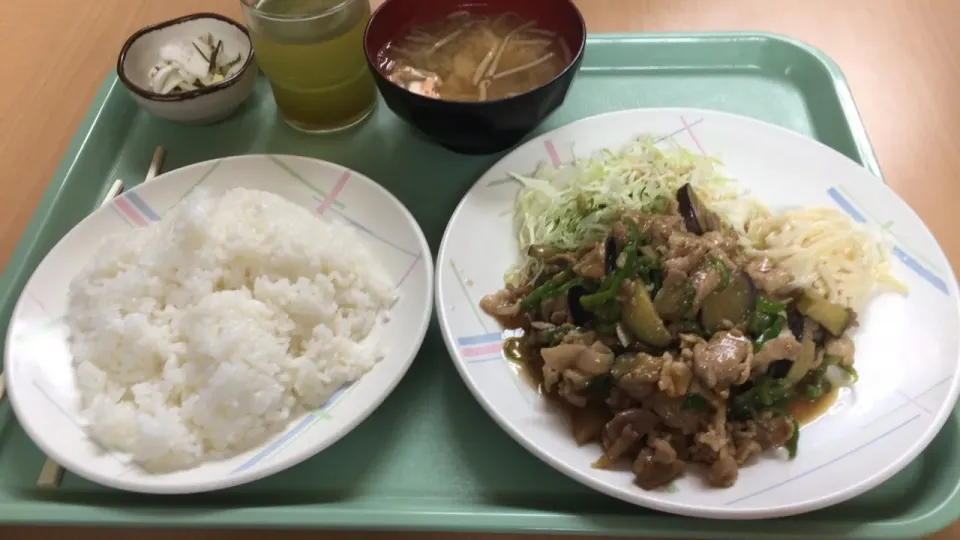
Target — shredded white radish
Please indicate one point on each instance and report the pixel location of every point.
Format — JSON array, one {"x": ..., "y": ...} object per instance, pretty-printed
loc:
[{"x": 826, "y": 251}]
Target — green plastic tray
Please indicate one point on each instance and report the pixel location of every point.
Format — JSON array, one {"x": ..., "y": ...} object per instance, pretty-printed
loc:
[{"x": 430, "y": 458}]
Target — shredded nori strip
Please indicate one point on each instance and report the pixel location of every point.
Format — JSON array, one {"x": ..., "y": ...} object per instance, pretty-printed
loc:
[
  {"x": 201, "y": 52},
  {"x": 224, "y": 69},
  {"x": 213, "y": 58}
]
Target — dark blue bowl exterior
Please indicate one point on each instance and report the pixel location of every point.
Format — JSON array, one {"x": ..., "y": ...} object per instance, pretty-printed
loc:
[{"x": 477, "y": 128}]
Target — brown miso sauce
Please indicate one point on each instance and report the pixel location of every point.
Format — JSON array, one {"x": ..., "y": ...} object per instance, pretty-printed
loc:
[
  {"x": 805, "y": 412},
  {"x": 513, "y": 349},
  {"x": 526, "y": 363}
]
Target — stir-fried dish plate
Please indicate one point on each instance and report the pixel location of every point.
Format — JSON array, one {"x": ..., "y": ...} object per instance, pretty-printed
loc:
[{"x": 700, "y": 313}]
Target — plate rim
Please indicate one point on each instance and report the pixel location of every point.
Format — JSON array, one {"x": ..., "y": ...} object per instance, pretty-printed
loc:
[
  {"x": 279, "y": 463},
  {"x": 881, "y": 475}
]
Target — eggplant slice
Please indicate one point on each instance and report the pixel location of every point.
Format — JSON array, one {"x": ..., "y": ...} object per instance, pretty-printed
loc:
[
  {"x": 697, "y": 218},
  {"x": 579, "y": 315},
  {"x": 673, "y": 303},
  {"x": 733, "y": 303},
  {"x": 795, "y": 322},
  {"x": 641, "y": 318},
  {"x": 610, "y": 255},
  {"x": 779, "y": 369},
  {"x": 833, "y": 317}
]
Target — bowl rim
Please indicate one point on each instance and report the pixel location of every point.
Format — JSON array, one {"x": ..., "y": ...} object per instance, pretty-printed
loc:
[
  {"x": 343, "y": 4},
  {"x": 183, "y": 96},
  {"x": 573, "y": 64}
]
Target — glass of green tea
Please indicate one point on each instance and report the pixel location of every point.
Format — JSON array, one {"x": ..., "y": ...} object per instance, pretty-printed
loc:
[{"x": 312, "y": 53}]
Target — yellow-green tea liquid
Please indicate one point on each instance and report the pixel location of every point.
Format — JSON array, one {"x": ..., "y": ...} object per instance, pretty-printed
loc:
[{"x": 316, "y": 67}]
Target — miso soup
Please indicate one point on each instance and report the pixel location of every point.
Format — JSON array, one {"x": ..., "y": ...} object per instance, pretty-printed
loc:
[{"x": 468, "y": 56}]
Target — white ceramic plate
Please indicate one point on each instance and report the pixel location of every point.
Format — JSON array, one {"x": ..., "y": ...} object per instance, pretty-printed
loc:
[
  {"x": 907, "y": 347},
  {"x": 38, "y": 363}
]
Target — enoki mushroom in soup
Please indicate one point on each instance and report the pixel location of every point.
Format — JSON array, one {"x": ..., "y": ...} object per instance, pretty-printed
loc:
[{"x": 467, "y": 56}]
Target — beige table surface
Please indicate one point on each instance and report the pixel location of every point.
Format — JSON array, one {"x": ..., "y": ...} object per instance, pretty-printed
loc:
[{"x": 902, "y": 58}]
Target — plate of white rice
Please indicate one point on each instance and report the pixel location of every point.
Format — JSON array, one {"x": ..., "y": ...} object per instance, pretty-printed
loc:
[{"x": 219, "y": 324}]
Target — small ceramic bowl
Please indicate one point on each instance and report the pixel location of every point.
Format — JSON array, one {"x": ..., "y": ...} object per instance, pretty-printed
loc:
[
  {"x": 202, "y": 106},
  {"x": 482, "y": 127}
]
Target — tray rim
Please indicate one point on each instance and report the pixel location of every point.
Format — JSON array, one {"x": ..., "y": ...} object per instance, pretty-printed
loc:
[
  {"x": 844, "y": 93},
  {"x": 48, "y": 510}
]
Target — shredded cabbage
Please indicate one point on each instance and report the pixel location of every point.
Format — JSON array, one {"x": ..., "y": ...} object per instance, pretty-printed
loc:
[{"x": 576, "y": 203}]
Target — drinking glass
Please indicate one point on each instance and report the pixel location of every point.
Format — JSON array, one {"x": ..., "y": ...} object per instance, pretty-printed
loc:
[{"x": 312, "y": 53}]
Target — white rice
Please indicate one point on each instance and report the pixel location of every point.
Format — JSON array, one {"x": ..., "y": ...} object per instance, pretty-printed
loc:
[{"x": 201, "y": 336}]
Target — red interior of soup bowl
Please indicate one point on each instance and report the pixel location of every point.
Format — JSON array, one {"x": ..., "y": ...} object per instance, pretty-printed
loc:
[{"x": 392, "y": 20}]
